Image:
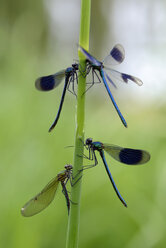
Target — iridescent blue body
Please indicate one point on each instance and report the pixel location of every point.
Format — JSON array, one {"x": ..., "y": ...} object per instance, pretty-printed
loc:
[
  {"x": 96, "y": 145},
  {"x": 116, "y": 56},
  {"x": 50, "y": 82},
  {"x": 124, "y": 155},
  {"x": 70, "y": 70}
]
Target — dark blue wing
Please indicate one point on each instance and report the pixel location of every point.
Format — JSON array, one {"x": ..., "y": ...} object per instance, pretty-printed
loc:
[
  {"x": 49, "y": 82},
  {"x": 123, "y": 77},
  {"x": 127, "y": 155},
  {"x": 116, "y": 55}
]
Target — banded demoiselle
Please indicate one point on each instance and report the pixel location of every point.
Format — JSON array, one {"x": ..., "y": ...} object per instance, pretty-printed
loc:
[
  {"x": 116, "y": 56},
  {"x": 50, "y": 82},
  {"x": 46, "y": 196},
  {"x": 124, "y": 155}
]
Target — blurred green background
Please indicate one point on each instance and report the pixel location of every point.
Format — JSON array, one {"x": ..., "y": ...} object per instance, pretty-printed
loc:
[{"x": 40, "y": 38}]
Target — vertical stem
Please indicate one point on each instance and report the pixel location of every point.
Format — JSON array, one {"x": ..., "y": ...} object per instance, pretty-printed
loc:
[{"x": 73, "y": 224}]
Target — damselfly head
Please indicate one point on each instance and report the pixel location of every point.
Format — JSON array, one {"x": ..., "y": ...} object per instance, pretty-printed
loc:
[
  {"x": 75, "y": 66},
  {"x": 88, "y": 141},
  {"x": 68, "y": 167}
]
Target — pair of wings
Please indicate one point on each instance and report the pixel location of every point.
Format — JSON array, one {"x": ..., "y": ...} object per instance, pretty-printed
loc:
[
  {"x": 47, "y": 83},
  {"x": 127, "y": 155},
  {"x": 41, "y": 200},
  {"x": 50, "y": 82},
  {"x": 46, "y": 196},
  {"x": 116, "y": 56}
]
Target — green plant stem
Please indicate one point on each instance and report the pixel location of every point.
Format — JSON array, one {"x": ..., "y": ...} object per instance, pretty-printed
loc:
[{"x": 73, "y": 223}]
